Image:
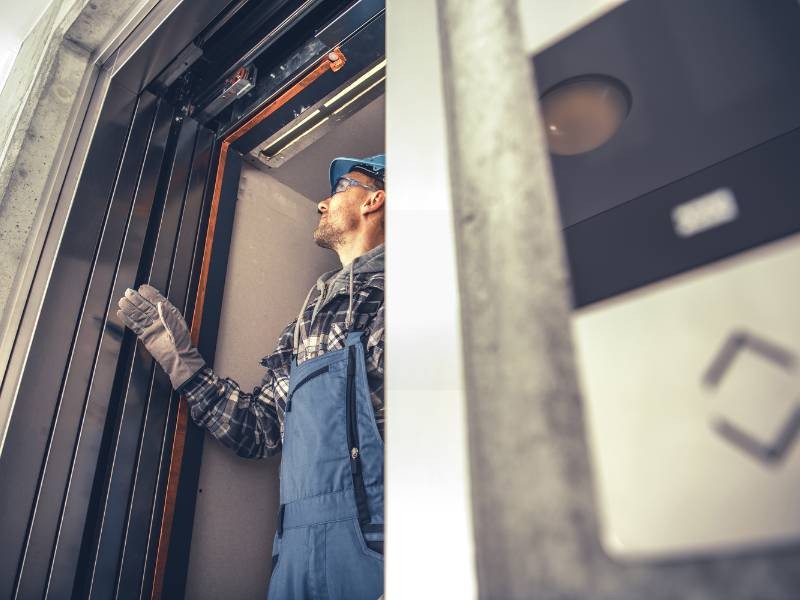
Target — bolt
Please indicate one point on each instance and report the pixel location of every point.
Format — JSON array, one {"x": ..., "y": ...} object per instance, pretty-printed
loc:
[{"x": 333, "y": 56}]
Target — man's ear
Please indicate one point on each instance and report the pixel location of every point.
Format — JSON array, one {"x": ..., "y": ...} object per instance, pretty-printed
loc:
[{"x": 374, "y": 202}]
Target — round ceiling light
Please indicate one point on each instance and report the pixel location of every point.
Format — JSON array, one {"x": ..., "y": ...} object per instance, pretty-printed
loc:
[{"x": 583, "y": 113}]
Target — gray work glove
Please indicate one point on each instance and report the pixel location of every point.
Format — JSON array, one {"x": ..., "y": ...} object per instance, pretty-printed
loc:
[{"x": 163, "y": 331}]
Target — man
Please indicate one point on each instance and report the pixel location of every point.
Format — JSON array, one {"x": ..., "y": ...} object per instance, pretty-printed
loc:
[{"x": 320, "y": 402}]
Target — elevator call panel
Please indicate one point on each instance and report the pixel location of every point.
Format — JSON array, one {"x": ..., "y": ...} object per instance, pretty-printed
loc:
[{"x": 683, "y": 239}]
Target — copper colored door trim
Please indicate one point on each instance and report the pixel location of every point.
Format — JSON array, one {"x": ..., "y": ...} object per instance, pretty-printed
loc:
[{"x": 333, "y": 61}]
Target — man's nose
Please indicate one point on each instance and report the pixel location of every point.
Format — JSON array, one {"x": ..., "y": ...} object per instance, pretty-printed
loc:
[{"x": 322, "y": 206}]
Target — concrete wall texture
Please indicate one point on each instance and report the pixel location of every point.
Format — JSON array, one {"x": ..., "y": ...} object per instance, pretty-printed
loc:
[{"x": 36, "y": 105}]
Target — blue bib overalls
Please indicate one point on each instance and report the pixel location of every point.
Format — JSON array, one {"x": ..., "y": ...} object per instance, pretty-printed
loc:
[{"x": 331, "y": 491}]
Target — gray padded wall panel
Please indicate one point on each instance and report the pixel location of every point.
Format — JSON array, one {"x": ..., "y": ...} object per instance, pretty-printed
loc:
[{"x": 273, "y": 262}]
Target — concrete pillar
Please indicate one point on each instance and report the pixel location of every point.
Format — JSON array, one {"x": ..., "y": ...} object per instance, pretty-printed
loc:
[
  {"x": 39, "y": 104},
  {"x": 526, "y": 432},
  {"x": 536, "y": 532}
]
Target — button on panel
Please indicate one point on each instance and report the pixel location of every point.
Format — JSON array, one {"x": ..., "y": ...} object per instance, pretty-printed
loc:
[
  {"x": 692, "y": 400},
  {"x": 756, "y": 395}
]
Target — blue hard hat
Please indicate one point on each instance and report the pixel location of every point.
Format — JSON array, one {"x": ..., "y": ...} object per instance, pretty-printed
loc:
[{"x": 374, "y": 166}]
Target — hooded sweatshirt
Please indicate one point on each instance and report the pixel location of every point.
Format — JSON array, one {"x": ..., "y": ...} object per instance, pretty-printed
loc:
[{"x": 341, "y": 281}]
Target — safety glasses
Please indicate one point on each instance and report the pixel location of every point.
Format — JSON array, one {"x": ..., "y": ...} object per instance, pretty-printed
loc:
[{"x": 345, "y": 182}]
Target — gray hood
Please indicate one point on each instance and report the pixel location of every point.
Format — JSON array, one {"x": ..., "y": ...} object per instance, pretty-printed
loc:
[
  {"x": 337, "y": 279},
  {"x": 334, "y": 282}
]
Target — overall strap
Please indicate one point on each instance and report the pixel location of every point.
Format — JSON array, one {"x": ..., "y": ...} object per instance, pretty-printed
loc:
[{"x": 354, "y": 338}]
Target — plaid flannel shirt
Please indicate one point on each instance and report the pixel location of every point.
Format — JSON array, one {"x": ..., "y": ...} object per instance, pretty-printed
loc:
[{"x": 252, "y": 423}]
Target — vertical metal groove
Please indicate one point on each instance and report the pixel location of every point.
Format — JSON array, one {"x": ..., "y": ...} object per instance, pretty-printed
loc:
[
  {"x": 42, "y": 541},
  {"x": 160, "y": 393},
  {"x": 190, "y": 245},
  {"x": 132, "y": 399},
  {"x": 104, "y": 373}
]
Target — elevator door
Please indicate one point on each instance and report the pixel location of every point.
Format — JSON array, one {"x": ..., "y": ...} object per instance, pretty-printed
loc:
[{"x": 90, "y": 437}]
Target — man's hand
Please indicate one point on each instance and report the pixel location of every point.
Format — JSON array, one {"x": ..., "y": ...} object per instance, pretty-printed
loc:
[{"x": 163, "y": 331}]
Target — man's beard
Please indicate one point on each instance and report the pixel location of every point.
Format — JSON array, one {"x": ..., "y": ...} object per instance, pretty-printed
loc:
[
  {"x": 335, "y": 227},
  {"x": 329, "y": 234}
]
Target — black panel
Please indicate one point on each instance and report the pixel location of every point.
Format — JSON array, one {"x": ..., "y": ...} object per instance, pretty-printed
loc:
[
  {"x": 179, "y": 29},
  {"x": 293, "y": 51},
  {"x": 243, "y": 34},
  {"x": 355, "y": 17},
  {"x": 31, "y": 422},
  {"x": 708, "y": 80},
  {"x": 635, "y": 244},
  {"x": 362, "y": 51}
]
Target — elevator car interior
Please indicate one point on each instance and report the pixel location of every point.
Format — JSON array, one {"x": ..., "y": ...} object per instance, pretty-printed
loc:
[{"x": 674, "y": 131}]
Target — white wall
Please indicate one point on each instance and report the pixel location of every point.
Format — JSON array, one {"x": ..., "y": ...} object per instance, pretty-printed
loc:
[
  {"x": 429, "y": 541},
  {"x": 16, "y": 21},
  {"x": 25, "y": 32},
  {"x": 544, "y": 22}
]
